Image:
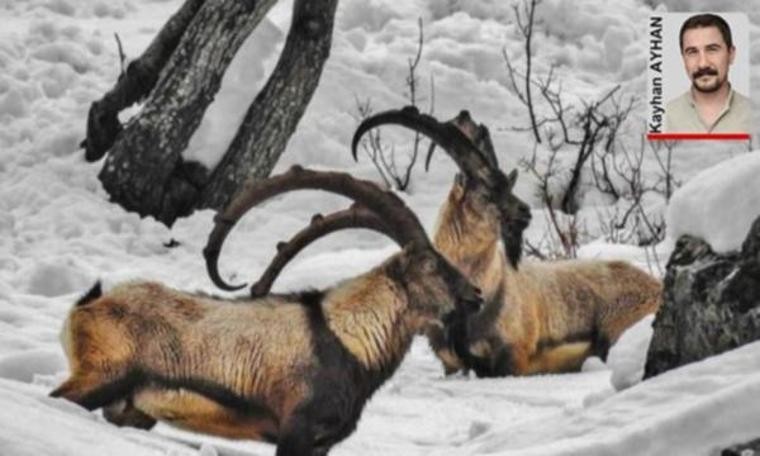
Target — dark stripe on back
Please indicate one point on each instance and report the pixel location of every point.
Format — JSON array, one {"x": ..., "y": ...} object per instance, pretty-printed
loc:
[{"x": 311, "y": 299}]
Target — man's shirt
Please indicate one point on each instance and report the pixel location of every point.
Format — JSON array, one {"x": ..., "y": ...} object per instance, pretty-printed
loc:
[{"x": 681, "y": 116}]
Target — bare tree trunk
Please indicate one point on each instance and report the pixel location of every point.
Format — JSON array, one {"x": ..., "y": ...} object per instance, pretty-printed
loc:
[
  {"x": 273, "y": 116},
  {"x": 102, "y": 121},
  {"x": 144, "y": 171}
]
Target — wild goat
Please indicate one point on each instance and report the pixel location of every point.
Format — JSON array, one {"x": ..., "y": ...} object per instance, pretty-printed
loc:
[
  {"x": 538, "y": 317},
  {"x": 291, "y": 369}
]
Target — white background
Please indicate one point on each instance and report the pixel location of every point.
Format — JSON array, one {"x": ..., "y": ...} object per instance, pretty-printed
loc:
[{"x": 675, "y": 80}]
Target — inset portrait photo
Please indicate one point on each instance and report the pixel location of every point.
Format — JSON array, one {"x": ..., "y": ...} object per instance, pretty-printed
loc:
[{"x": 699, "y": 76}]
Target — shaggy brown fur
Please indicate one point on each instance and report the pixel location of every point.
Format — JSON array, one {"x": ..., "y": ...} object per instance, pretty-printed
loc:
[
  {"x": 543, "y": 316},
  {"x": 291, "y": 369},
  {"x": 539, "y": 316},
  {"x": 252, "y": 370}
]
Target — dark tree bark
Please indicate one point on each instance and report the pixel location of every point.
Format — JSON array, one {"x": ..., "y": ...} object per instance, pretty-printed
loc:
[
  {"x": 102, "y": 121},
  {"x": 144, "y": 171},
  {"x": 274, "y": 114}
]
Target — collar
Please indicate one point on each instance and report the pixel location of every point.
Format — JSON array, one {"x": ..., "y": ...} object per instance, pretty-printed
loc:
[
  {"x": 726, "y": 107},
  {"x": 729, "y": 98}
]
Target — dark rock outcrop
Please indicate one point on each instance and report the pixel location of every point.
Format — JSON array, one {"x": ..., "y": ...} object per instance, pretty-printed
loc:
[
  {"x": 746, "y": 449},
  {"x": 711, "y": 303}
]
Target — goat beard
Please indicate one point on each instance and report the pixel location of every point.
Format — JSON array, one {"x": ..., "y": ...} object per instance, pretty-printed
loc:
[{"x": 513, "y": 241}]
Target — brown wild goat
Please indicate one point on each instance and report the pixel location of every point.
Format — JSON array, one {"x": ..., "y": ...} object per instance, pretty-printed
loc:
[
  {"x": 538, "y": 317},
  {"x": 291, "y": 369}
]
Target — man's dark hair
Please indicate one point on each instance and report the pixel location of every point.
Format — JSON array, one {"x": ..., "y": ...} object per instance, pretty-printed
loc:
[{"x": 707, "y": 20}]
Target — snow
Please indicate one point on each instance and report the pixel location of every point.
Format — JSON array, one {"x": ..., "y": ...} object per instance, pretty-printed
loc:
[
  {"x": 34, "y": 424},
  {"x": 697, "y": 409},
  {"x": 58, "y": 233},
  {"x": 719, "y": 204},
  {"x": 628, "y": 356}
]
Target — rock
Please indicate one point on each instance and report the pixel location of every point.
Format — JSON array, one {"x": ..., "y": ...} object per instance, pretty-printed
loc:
[
  {"x": 711, "y": 303},
  {"x": 746, "y": 449}
]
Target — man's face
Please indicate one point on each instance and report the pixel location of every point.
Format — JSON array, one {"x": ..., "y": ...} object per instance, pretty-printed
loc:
[{"x": 706, "y": 58}]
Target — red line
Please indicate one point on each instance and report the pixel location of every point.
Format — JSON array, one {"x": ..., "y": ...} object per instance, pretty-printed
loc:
[{"x": 698, "y": 136}]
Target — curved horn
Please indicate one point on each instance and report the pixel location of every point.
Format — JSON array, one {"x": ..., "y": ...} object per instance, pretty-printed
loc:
[
  {"x": 484, "y": 139},
  {"x": 385, "y": 204},
  {"x": 479, "y": 135},
  {"x": 429, "y": 157},
  {"x": 466, "y": 155},
  {"x": 457, "y": 137},
  {"x": 354, "y": 217}
]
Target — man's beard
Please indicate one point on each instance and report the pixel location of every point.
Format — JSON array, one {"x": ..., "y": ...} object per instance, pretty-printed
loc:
[{"x": 707, "y": 88}]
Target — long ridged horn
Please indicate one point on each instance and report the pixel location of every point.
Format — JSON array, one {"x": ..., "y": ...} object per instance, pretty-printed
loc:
[
  {"x": 469, "y": 159},
  {"x": 457, "y": 138},
  {"x": 479, "y": 135},
  {"x": 406, "y": 227},
  {"x": 321, "y": 225}
]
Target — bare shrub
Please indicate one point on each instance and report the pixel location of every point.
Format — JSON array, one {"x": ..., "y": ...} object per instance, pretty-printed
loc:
[
  {"x": 585, "y": 141},
  {"x": 396, "y": 173}
]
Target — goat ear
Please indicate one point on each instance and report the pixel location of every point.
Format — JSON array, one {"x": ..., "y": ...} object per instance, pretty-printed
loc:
[
  {"x": 407, "y": 253},
  {"x": 512, "y": 178},
  {"x": 460, "y": 187},
  {"x": 421, "y": 260}
]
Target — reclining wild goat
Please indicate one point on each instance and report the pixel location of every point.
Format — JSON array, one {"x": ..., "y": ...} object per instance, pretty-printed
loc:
[
  {"x": 539, "y": 316},
  {"x": 291, "y": 369}
]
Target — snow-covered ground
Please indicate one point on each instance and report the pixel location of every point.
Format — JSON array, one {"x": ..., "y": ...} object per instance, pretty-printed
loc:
[{"x": 58, "y": 233}]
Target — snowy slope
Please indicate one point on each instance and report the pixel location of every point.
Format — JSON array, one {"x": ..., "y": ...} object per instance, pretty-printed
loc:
[
  {"x": 727, "y": 191},
  {"x": 58, "y": 233},
  {"x": 697, "y": 409}
]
